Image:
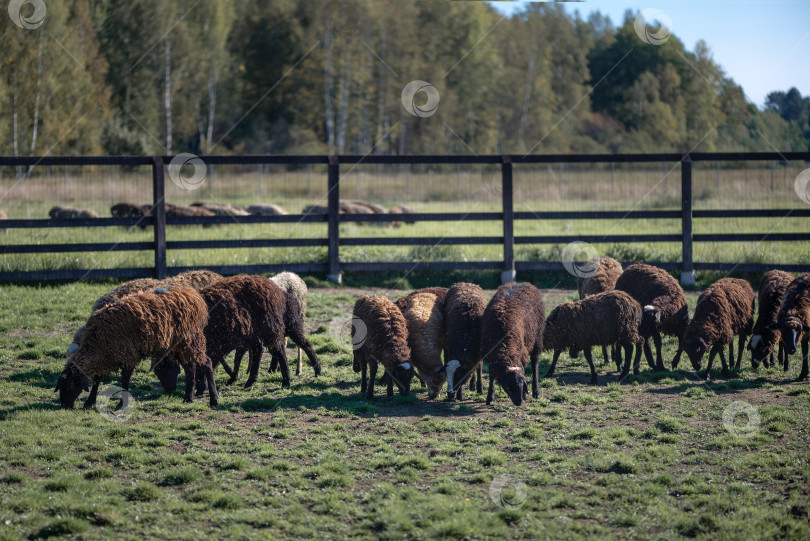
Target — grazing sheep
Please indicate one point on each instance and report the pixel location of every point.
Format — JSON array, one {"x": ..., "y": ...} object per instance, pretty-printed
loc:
[
  {"x": 793, "y": 319},
  {"x": 165, "y": 325},
  {"x": 249, "y": 313},
  {"x": 612, "y": 317},
  {"x": 385, "y": 342},
  {"x": 663, "y": 307},
  {"x": 726, "y": 308},
  {"x": 266, "y": 209},
  {"x": 606, "y": 271},
  {"x": 222, "y": 209},
  {"x": 424, "y": 316},
  {"x": 764, "y": 340},
  {"x": 59, "y": 212},
  {"x": 196, "y": 279},
  {"x": 512, "y": 332},
  {"x": 292, "y": 284},
  {"x": 464, "y": 307}
]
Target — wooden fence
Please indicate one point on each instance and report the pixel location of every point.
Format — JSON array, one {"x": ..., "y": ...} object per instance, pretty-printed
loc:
[{"x": 333, "y": 266}]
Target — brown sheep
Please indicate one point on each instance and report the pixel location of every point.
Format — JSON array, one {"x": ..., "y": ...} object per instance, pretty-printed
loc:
[
  {"x": 401, "y": 209},
  {"x": 59, "y": 212},
  {"x": 424, "y": 316},
  {"x": 793, "y": 319},
  {"x": 726, "y": 308},
  {"x": 764, "y": 340},
  {"x": 186, "y": 211},
  {"x": 612, "y": 317},
  {"x": 511, "y": 333},
  {"x": 606, "y": 271},
  {"x": 251, "y": 312},
  {"x": 165, "y": 325},
  {"x": 385, "y": 342},
  {"x": 196, "y": 279},
  {"x": 464, "y": 307},
  {"x": 663, "y": 304},
  {"x": 222, "y": 209},
  {"x": 126, "y": 210},
  {"x": 440, "y": 292}
]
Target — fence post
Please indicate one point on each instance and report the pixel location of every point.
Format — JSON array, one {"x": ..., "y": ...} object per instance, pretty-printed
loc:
[
  {"x": 508, "y": 274},
  {"x": 159, "y": 215},
  {"x": 333, "y": 275},
  {"x": 687, "y": 270}
]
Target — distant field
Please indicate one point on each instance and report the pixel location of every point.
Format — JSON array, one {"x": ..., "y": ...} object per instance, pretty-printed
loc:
[
  {"x": 537, "y": 188},
  {"x": 647, "y": 458}
]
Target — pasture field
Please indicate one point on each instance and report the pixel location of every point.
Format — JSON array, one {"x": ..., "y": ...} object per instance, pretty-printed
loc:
[
  {"x": 649, "y": 458},
  {"x": 536, "y": 188}
]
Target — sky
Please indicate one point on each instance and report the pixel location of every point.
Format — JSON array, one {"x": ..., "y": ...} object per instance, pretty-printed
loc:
[{"x": 762, "y": 45}]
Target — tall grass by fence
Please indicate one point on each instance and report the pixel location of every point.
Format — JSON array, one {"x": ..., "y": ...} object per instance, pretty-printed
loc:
[{"x": 582, "y": 180}]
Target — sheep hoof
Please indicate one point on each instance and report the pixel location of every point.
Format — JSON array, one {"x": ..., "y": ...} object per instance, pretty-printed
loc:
[
  {"x": 213, "y": 402},
  {"x": 89, "y": 404},
  {"x": 231, "y": 381},
  {"x": 535, "y": 394}
]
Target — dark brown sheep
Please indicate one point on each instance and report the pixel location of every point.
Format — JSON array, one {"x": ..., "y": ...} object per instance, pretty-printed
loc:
[
  {"x": 251, "y": 312},
  {"x": 424, "y": 315},
  {"x": 385, "y": 342},
  {"x": 186, "y": 211},
  {"x": 126, "y": 210},
  {"x": 511, "y": 334},
  {"x": 793, "y": 319},
  {"x": 606, "y": 271},
  {"x": 764, "y": 340},
  {"x": 663, "y": 305},
  {"x": 464, "y": 307},
  {"x": 726, "y": 308},
  {"x": 612, "y": 317},
  {"x": 165, "y": 325},
  {"x": 58, "y": 212}
]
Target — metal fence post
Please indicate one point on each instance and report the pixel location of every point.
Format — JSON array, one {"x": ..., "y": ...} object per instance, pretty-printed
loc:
[
  {"x": 687, "y": 270},
  {"x": 159, "y": 215},
  {"x": 508, "y": 274},
  {"x": 333, "y": 274}
]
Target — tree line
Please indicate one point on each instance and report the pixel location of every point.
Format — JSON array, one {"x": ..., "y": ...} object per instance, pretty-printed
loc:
[{"x": 310, "y": 76}]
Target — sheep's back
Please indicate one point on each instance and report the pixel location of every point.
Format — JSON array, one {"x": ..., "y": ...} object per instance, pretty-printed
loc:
[
  {"x": 607, "y": 271},
  {"x": 513, "y": 320},
  {"x": 385, "y": 327},
  {"x": 464, "y": 307}
]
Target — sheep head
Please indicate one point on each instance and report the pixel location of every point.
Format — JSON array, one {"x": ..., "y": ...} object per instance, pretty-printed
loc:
[
  {"x": 434, "y": 380},
  {"x": 650, "y": 320},
  {"x": 402, "y": 376},
  {"x": 167, "y": 372},
  {"x": 70, "y": 385},
  {"x": 695, "y": 348},
  {"x": 761, "y": 345},
  {"x": 791, "y": 330},
  {"x": 513, "y": 381}
]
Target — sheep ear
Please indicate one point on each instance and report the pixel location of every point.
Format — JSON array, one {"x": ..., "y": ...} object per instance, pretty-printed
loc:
[
  {"x": 440, "y": 369},
  {"x": 62, "y": 377},
  {"x": 658, "y": 317}
]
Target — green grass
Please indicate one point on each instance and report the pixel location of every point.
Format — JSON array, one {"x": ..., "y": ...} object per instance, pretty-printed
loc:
[{"x": 646, "y": 458}]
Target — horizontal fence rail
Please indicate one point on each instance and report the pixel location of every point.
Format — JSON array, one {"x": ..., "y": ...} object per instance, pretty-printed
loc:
[{"x": 333, "y": 266}]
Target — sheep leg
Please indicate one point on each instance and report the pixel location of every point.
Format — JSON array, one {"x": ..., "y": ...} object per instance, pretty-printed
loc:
[
  {"x": 803, "y": 373},
  {"x": 535, "y": 357},
  {"x": 722, "y": 353},
  {"x": 372, "y": 375},
  {"x": 91, "y": 400},
  {"x": 491, "y": 391},
  {"x": 677, "y": 357},
  {"x": 191, "y": 377},
  {"x": 472, "y": 382},
  {"x": 479, "y": 382},
  {"x": 390, "y": 385},
  {"x": 626, "y": 366},
  {"x": 550, "y": 369},
  {"x": 782, "y": 357},
  {"x": 237, "y": 361},
  {"x": 208, "y": 369},
  {"x": 300, "y": 362},
  {"x": 617, "y": 358},
  {"x": 254, "y": 360},
  {"x": 605, "y": 357},
  {"x": 281, "y": 354},
  {"x": 589, "y": 358},
  {"x": 628, "y": 353},
  {"x": 364, "y": 369},
  {"x": 731, "y": 353},
  {"x": 648, "y": 353},
  {"x": 295, "y": 330},
  {"x": 740, "y": 350},
  {"x": 637, "y": 360},
  {"x": 659, "y": 366}
]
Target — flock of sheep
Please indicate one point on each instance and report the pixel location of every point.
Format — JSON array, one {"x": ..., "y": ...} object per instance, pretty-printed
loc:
[
  {"x": 441, "y": 335},
  {"x": 201, "y": 208}
]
